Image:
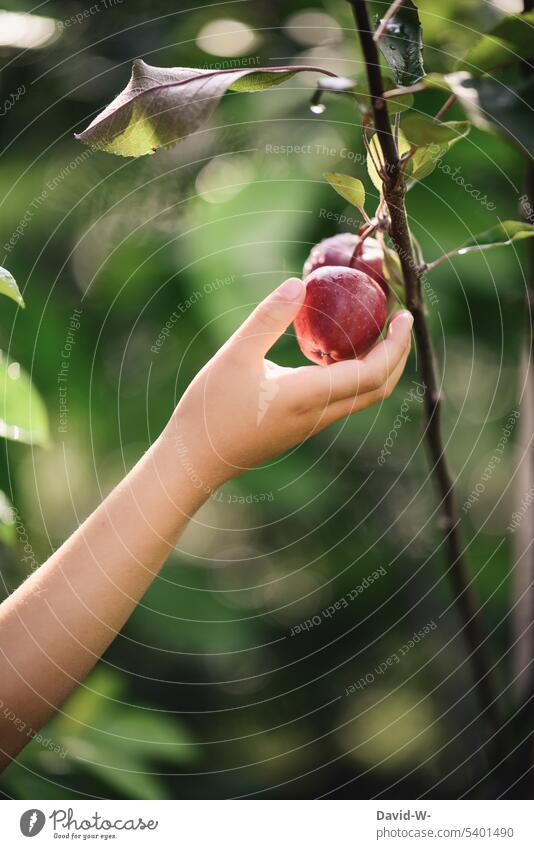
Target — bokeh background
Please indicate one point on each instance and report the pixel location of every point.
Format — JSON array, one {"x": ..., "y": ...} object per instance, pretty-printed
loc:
[{"x": 206, "y": 694}]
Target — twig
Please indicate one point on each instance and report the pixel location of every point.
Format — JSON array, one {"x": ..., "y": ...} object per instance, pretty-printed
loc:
[
  {"x": 393, "y": 9},
  {"x": 446, "y": 106},
  {"x": 370, "y": 230},
  {"x": 404, "y": 89},
  {"x": 524, "y": 569},
  {"x": 525, "y": 649},
  {"x": 397, "y": 128},
  {"x": 429, "y": 266},
  {"x": 394, "y": 194}
]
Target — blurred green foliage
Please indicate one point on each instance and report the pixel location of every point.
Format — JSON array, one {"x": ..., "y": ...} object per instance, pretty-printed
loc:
[{"x": 206, "y": 693}]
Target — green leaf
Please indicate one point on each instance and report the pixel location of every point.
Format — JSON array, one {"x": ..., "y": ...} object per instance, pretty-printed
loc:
[
  {"x": 502, "y": 234},
  {"x": 511, "y": 41},
  {"x": 23, "y": 416},
  {"x": 9, "y": 287},
  {"x": 425, "y": 160},
  {"x": 402, "y": 45},
  {"x": 8, "y": 534},
  {"x": 421, "y": 130},
  {"x": 161, "y": 106},
  {"x": 374, "y": 144},
  {"x": 348, "y": 187},
  {"x": 258, "y": 80},
  {"x": 393, "y": 273}
]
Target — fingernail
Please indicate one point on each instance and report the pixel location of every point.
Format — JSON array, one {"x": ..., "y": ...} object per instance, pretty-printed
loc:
[
  {"x": 407, "y": 317},
  {"x": 291, "y": 289}
]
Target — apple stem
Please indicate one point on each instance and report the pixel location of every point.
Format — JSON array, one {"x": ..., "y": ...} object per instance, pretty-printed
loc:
[
  {"x": 394, "y": 189},
  {"x": 364, "y": 215}
]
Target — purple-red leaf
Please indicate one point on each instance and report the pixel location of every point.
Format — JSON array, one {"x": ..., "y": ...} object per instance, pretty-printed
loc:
[{"x": 161, "y": 106}]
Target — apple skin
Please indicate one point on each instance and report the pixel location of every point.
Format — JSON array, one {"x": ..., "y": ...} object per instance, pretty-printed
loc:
[
  {"x": 342, "y": 316},
  {"x": 338, "y": 250}
]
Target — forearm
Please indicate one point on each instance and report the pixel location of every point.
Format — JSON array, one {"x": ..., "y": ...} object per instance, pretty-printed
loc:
[
  {"x": 56, "y": 625},
  {"x": 240, "y": 410}
]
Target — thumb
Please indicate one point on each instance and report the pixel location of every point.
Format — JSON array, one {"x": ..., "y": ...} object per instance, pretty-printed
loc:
[{"x": 270, "y": 318}]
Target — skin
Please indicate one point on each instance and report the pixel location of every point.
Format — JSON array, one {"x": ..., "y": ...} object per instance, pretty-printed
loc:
[{"x": 56, "y": 625}]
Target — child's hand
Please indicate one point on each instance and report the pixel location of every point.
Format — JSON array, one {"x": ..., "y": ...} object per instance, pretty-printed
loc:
[{"x": 242, "y": 409}]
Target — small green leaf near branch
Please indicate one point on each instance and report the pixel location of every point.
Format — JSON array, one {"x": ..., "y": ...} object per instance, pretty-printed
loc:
[
  {"x": 351, "y": 189},
  {"x": 375, "y": 157}
]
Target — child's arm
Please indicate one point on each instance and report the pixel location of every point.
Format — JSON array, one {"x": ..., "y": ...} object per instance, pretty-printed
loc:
[{"x": 239, "y": 410}]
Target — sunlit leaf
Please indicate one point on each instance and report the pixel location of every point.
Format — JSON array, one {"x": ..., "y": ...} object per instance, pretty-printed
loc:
[
  {"x": 425, "y": 160},
  {"x": 23, "y": 416},
  {"x": 510, "y": 41},
  {"x": 9, "y": 287},
  {"x": 402, "y": 45},
  {"x": 376, "y": 150},
  {"x": 161, "y": 106},
  {"x": 351, "y": 189}
]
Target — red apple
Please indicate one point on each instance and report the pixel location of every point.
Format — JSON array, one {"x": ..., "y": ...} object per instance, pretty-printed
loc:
[
  {"x": 343, "y": 314},
  {"x": 338, "y": 250}
]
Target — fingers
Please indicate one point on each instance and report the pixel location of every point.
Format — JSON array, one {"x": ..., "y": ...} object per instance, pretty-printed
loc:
[
  {"x": 270, "y": 319},
  {"x": 359, "y": 377},
  {"x": 347, "y": 406}
]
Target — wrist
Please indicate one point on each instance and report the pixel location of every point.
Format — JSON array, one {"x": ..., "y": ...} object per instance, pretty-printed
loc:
[{"x": 193, "y": 459}]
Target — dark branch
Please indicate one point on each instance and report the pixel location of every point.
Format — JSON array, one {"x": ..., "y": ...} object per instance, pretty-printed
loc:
[{"x": 394, "y": 195}]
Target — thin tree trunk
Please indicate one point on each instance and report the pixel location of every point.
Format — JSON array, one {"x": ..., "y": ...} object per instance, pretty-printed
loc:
[{"x": 394, "y": 194}]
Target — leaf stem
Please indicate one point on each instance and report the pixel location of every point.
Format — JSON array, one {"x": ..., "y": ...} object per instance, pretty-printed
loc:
[
  {"x": 429, "y": 266},
  {"x": 449, "y": 103},
  {"x": 394, "y": 195}
]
